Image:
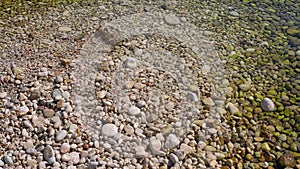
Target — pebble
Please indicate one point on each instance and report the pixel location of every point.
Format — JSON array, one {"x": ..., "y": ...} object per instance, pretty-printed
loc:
[
  {"x": 75, "y": 157},
  {"x": 66, "y": 157},
  {"x": 27, "y": 145},
  {"x": 64, "y": 29},
  {"x": 154, "y": 145},
  {"x": 171, "y": 19},
  {"x": 1, "y": 163},
  {"x": 171, "y": 141},
  {"x": 49, "y": 154},
  {"x": 3, "y": 95},
  {"x": 7, "y": 159},
  {"x": 93, "y": 165},
  {"x": 109, "y": 130},
  {"x": 174, "y": 159},
  {"x": 138, "y": 52},
  {"x": 267, "y": 104},
  {"x": 140, "y": 152},
  {"x": 232, "y": 108},
  {"x": 61, "y": 135},
  {"x": 130, "y": 63},
  {"x": 208, "y": 101},
  {"x": 134, "y": 111},
  {"x": 48, "y": 112},
  {"x": 24, "y": 109},
  {"x": 65, "y": 147}
]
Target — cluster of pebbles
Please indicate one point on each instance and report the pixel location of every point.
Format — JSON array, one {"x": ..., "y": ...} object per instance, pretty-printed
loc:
[{"x": 125, "y": 84}]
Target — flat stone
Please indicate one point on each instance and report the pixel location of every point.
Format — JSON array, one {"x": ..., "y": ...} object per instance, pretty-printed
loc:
[
  {"x": 130, "y": 63},
  {"x": 267, "y": 104},
  {"x": 109, "y": 130},
  {"x": 220, "y": 156},
  {"x": 171, "y": 19},
  {"x": 138, "y": 52},
  {"x": 134, "y": 111},
  {"x": 61, "y": 135},
  {"x": 48, "y": 112},
  {"x": 171, "y": 141}
]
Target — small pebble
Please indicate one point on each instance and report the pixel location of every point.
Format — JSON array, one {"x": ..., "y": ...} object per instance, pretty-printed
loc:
[
  {"x": 267, "y": 104},
  {"x": 61, "y": 135},
  {"x": 109, "y": 130},
  {"x": 7, "y": 159},
  {"x": 134, "y": 111}
]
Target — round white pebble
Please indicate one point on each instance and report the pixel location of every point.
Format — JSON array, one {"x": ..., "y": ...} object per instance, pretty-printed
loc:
[{"x": 109, "y": 130}]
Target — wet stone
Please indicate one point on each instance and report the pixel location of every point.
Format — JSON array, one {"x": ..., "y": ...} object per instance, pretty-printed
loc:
[{"x": 267, "y": 104}]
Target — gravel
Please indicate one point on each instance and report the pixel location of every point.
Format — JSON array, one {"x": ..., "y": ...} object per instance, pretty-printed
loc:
[{"x": 145, "y": 84}]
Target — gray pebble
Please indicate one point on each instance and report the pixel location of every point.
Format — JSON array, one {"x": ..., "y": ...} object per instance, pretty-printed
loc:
[
  {"x": 267, "y": 104},
  {"x": 1, "y": 163},
  {"x": 171, "y": 141},
  {"x": 134, "y": 111},
  {"x": 93, "y": 165},
  {"x": 154, "y": 145},
  {"x": 75, "y": 157},
  {"x": 49, "y": 154},
  {"x": 61, "y": 135},
  {"x": 130, "y": 63},
  {"x": 232, "y": 108},
  {"x": 7, "y": 159},
  {"x": 174, "y": 159},
  {"x": 24, "y": 109},
  {"x": 48, "y": 112},
  {"x": 171, "y": 19}
]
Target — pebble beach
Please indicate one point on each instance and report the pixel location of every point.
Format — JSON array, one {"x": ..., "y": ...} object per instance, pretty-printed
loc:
[{"x": 150, "y": 84}]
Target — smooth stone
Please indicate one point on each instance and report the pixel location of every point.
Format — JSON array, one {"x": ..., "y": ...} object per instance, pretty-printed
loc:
[
  {"x": 232, "y": 108},
  {"x": 27, "y": 145},
  {"x": 61, "y": 135},
  {"x": 171, "y": 19},
  {"x": 141, "y": 103},
  {"x": 140, "y": 152},
  {"x": 208, "y": 101},
  {"x": 109, "y": 130},
  {"x": 66, "y": 157},
  {"x": 64, "y": 148},
  {"x": 75, "y": 157},
  {"x": 154, "y": 145},
  {"x": 174, "y": 159},
  {"x": 265, "y": 146},
  {"x": 267, "y": 104},
  {"x": 130, "y": 63},
  {"x": 134, "y": 111},
  {"x": 210, "y": 148},
  {"x": 192, "y": 97},
  {"x": 7, "y": 159},
  {"x": 171, "y": 141},
  {"x": 49, "y": 154},
  {"x": 48, "y": 112},
  {"x": 64, "y": 29},
  {"x": 1, "y": 163},
  {"x": 138, "y": 52},
  {"x": 24, "y": 109},
  {"x": 93, "y": 165},
  {"x": 220, "y": 156},
  {"x": 3, "y": 95}
]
